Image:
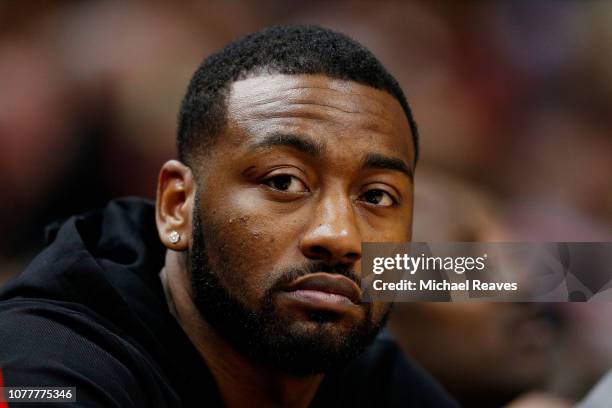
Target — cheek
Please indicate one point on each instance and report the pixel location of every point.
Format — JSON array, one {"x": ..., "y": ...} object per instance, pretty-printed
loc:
[
  {"x": 239, "y": 258},
  {"x": 246, "y": 244},
  {"x": 388, "y": 232},
  {"x": 395, "y": 228}
]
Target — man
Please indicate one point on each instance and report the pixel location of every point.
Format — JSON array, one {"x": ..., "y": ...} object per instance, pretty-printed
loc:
[{"x": 295, "y": 146}]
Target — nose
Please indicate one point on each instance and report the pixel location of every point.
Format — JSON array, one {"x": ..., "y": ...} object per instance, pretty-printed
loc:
[{"x": 333, "y": 235}]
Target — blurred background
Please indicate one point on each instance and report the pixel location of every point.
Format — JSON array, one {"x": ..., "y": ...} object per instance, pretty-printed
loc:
[{"x": 513, "y": 101}]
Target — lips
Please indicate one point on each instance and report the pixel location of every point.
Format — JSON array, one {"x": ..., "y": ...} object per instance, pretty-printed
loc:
[{"x": 325, "y": 285}]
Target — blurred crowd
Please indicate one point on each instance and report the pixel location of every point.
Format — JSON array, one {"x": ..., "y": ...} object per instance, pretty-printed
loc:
[{"x": 513, "y": 101}]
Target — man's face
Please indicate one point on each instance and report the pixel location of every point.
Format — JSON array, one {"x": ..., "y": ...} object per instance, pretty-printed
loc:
[{"x": 308, "y": 168}]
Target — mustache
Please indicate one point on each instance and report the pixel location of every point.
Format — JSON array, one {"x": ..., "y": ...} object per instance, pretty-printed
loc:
[{"x": 288, "y": 275}]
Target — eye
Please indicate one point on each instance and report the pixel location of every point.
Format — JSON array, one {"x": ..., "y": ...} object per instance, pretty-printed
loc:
[
  {"x": 378, "y": 197},
  {"x": 286, "y": 183}
]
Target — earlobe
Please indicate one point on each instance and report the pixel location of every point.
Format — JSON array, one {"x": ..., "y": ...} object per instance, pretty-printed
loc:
[{"x": 174, "y": 205}]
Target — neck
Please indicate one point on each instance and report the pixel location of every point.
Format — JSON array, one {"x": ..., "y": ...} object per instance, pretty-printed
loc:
[{"x": 240, "y": 380}]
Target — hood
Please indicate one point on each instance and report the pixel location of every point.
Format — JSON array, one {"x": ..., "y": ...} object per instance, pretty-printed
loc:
[
  {"x": 107, "y": 261},
  {"x": 106, "y": 264}
]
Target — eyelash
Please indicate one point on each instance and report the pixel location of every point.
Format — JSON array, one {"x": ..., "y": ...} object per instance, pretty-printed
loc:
[
  {"x": 267, "y": 182},
  {"x": 394, "y": 201}
]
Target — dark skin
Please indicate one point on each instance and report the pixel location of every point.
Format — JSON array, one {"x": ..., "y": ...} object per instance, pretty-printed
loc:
[{"x": 309, "y": 167}]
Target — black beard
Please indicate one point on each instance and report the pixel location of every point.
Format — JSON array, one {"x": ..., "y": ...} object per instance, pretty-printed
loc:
[{"x": 263, "y": 335}]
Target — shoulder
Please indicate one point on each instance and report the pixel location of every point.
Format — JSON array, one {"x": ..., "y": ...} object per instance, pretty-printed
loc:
[{"x": 47, "y": 343}]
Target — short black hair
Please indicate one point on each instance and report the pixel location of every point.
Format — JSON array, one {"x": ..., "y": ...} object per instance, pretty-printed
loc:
[{"x": 291, "y": 50}]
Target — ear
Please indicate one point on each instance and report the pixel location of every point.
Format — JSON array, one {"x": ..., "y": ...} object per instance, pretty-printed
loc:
[{"x": 174, "y": 205}]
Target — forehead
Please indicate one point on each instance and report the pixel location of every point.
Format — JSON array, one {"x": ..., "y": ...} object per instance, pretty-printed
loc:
[{"x": 330, "y": 111}]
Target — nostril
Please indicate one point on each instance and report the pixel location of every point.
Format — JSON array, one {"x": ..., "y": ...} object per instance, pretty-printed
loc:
[
  {"x": 352, "y": 257},
  {"x": 323, "y": 253},
  {"x": 319, "y": 250}
]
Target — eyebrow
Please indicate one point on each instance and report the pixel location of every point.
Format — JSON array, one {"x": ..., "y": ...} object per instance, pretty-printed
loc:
[
  {"x": 294, "y": 141},
  {"x": 314, "y": 149},
  {"x": 379, "y": 161}
]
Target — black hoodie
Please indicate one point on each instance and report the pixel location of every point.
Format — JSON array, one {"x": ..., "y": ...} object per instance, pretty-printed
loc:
[{"x": 90, "y": 312}]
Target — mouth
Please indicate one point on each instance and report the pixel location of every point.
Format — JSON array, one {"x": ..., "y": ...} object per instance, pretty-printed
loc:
[{"x": 325, "y": 290}]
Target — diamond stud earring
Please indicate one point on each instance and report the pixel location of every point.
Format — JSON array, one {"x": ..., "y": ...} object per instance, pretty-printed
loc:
[{"x": 174, "y": 237}]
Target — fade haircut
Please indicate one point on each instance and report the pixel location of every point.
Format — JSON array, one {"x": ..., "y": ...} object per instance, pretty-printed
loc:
[{"x": 290, "y": 50}]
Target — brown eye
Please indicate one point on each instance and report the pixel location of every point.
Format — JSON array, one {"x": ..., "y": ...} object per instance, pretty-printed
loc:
[
  {"x": 287, "y": 183},
  {"x": 378, "y": 197}
]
